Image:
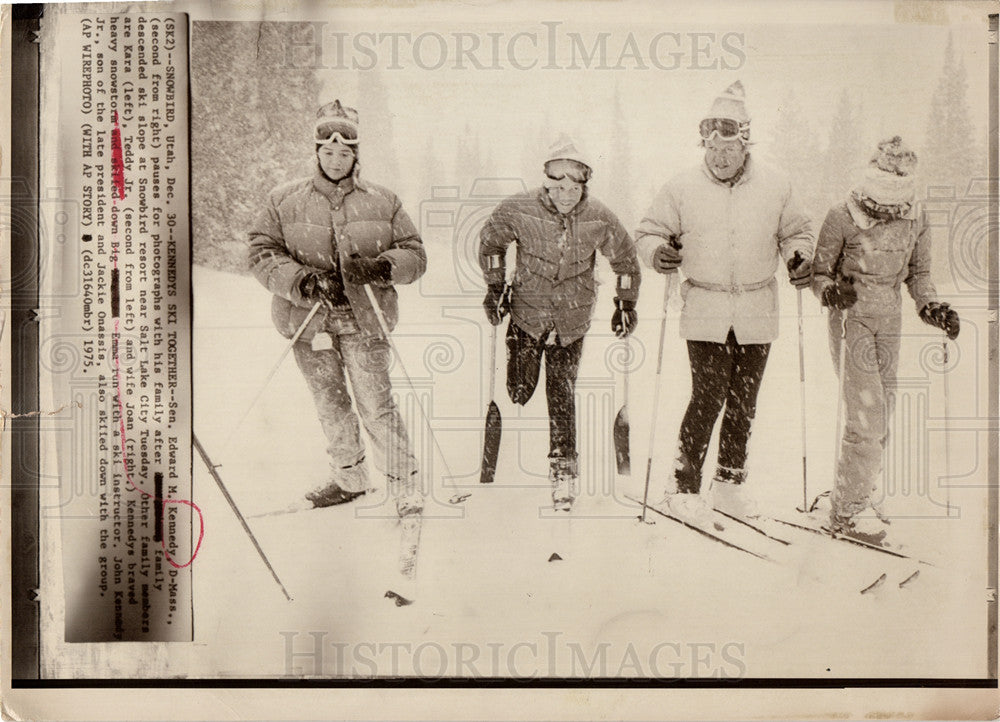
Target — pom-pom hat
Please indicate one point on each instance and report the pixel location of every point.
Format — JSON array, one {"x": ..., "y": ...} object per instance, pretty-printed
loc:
[{"x": 888, "y": 180}]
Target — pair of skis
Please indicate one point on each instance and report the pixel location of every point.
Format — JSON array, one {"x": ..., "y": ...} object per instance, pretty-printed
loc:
[{"x": 760, "y": 538}]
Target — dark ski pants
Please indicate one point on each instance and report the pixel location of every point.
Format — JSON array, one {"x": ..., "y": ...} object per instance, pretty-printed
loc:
[
  {"x": 562, "y": 363},
  {"x": 722, "y": 374}
]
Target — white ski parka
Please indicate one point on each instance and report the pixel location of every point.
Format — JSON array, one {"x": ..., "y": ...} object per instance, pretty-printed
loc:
[
  {"x": 305, "y": 222},
  {"x": 732, "y": 238}
]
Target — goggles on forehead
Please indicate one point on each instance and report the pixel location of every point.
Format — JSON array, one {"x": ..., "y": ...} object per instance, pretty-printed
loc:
[
  {"x": 328, "y": 131},
  {"x": 725, "y": 128},
  {"x": 577, "y": 173}
]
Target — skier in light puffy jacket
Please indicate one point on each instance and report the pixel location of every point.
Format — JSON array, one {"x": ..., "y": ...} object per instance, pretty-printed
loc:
[
  {"x": 726, "y": 224},
  {"x": 868, "y": 246},
  {"x": 319, "y": 240},
  {"x": 558, "y": 229}
]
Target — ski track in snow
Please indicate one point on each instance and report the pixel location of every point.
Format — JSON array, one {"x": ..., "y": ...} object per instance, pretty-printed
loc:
[{"x": 483, "y": 571}]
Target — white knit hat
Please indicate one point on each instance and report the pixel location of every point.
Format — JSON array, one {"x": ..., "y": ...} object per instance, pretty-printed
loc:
[
  {"x": 889, "y": 177},
  {"x": 731, "y": 104},
  {"x": 565, "y": 148}
]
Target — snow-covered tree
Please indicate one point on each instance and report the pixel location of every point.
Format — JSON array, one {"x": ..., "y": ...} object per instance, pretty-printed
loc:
[
  {"x": 795, "y": 149},
  {"x": 468, "y": 160},
  {"x": 845, "y": 153},
  {"x": 378, "y": 150},
  {"x": 251, "y": 128},
  {"x": 620, "y": 181},
  {"x": 951, "y": 154}
]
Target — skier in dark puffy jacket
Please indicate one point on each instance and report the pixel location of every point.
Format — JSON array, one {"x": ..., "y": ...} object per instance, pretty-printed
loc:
[
  {"x": 867, "y": 247},
  {"x": 320, "y": 240},
  {"x": 557, "y": 229}
]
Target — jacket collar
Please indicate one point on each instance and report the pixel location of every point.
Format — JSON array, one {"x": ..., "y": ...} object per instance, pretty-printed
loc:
[
  {"x": 546, "y": 201},
  {"x": 745, "y": 174},
  {"x": 864, "y": 221},
  {"x": 340, "y": 189}
]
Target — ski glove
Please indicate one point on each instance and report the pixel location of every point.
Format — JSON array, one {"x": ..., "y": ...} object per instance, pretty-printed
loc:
[
  {"x": 497, "y": 302},
  {"x": 360, "y": 270},
  {"x": 840, "y": 294},
  {"x": 625, "y": 318},
  {"x": 324, "y": 288},
  {"x": 799, "y": 270},
  {"x": 667, "y": 257},
  {"x": 943, "y": 316}
]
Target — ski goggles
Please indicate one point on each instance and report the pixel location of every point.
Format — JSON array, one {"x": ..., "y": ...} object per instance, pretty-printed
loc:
[
  {"x": 329, "y": 131},
  {"x": 574, "y": 170},
  {"x": 725, "y": 128}
]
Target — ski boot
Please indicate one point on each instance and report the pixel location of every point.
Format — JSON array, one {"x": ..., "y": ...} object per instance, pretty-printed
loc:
[
  {"x": 331, "y": 495},
  {"x": 730, "y": 496},
  {"x": 870, "y": 530},
  {"x": 346, "y": 484},
  {"x": 565, "y": 482},
  {"x": 689, "y": 507}
]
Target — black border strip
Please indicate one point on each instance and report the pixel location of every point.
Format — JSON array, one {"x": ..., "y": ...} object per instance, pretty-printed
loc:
[
  {"x": 515, "y": 682},
  {"x": 24, "y": 260}
]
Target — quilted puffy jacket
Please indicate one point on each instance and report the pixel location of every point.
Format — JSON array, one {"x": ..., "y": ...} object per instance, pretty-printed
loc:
[
  {"x": 879, "y": 255},
  {"x": 554, "y": 287},
  {"x": 312, "y": 224}
]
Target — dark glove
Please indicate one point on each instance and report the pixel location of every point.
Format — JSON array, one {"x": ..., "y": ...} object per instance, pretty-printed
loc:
[
  {"x": 667, "y": 257},
  {"x": 324, "y": 288},
  {"x": 497, "y": 302},
  {"x": 943, "y": 316},
  {"x": 800, "y": 270},
  {"x": 360, "y": 270},
  {"x": 625, "y": 318},
  {"x": 840, "y": 294}
]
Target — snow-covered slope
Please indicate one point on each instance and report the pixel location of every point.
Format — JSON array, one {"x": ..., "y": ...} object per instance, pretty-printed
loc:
[{"x": 627, "y": 598}]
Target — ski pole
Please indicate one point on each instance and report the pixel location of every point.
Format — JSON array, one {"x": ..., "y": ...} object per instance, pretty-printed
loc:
[
  {"x": 656, "y": 392},
  {"x": 947, "y": 443},
  {"x": 388, "y": 339},
  {"x": 288, "y": 349},
  {"x": 802, "y": 401},
  {"x": 213, "y": 470}
]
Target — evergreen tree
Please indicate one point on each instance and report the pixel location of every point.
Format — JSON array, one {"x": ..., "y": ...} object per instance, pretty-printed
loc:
[
  {"x": 795, "y": 150},
  {"x": 845, "y": 153},
  {"x": 951, "y": 151},
  {"x": 378, "y": 149},
  {"x": 468, "y": 162},
  {"x": 251, "y": 128},
  {"x": 619, "y": 181}
]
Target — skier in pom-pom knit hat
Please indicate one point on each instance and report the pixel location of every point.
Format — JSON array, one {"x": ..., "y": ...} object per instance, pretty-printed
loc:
[
  {"x": 868, "y": 246},
  {"x": 558, "y": 230},
  {"x": 320, "y": 240},
  {"x": 726, "y": 224}
]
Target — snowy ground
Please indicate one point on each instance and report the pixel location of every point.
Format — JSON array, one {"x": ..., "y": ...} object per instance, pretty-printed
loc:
[{"x": 627, "y": 599}]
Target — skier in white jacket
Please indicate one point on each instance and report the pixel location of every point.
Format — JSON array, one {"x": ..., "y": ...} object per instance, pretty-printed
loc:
[{"x": 725, "y": 224}]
